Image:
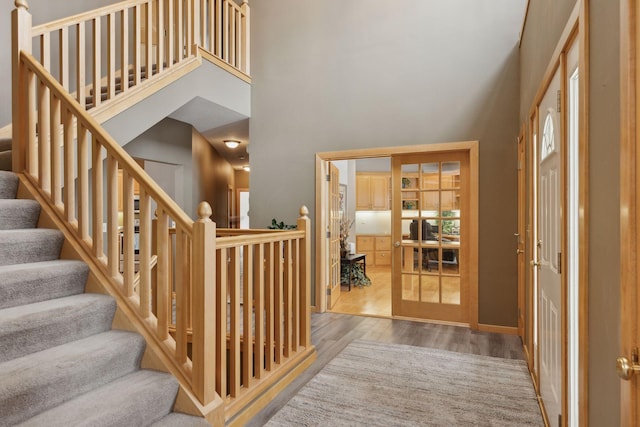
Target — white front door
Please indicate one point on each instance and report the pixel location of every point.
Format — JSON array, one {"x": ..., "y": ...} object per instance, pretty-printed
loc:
[{"x": 549, "y": 252}]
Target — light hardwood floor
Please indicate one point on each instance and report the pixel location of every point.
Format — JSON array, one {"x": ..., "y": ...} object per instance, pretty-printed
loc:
[
  {"x": 332, "y": 332},
  {"x": 375, "y": 300}
]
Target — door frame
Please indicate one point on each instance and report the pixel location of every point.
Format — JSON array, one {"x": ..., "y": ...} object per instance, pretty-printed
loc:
[
  {"x": 629, "y": 200},
  {"x": 576, "y": 30},
  {"x": 322, "y": 199}
]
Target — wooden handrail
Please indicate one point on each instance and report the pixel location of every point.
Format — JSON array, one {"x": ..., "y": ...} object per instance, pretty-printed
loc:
[
  {"x": 109, "y": 143},
  {"x": 83, "y": 17}
]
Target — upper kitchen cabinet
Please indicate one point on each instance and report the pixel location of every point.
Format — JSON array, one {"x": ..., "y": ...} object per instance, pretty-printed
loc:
[{"x": 373, "y": 191}]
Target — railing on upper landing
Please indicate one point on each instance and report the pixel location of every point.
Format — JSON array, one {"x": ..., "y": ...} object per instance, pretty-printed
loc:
[{"x": 106, "y": 53}]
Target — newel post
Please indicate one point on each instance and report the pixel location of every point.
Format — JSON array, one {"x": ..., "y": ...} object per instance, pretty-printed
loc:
[
  {"x": 204, "y": 299},
  {"x": 304, "y": 224},
  {"x": 246, "y": 37},
  {"x": 20, "y": 41}
]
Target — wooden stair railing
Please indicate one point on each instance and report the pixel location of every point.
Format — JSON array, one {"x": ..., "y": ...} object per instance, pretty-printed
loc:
[
  {"x": 66, "y": 161},
  {"x": 262, "y": 313}
]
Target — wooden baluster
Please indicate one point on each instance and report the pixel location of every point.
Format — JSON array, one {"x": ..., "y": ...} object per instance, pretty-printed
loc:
[
  {"x": 144, "y": 216},
  {"x": 124, "y": 50},
  {"x": 64, "y": 57},
  {"x": 258, "y": 298},
  {"x": 191, "y": 27},
  {"x": 148, "y": 48},
  {"x": 113, "y": 234},
  {"x": 80, "y": 64},
  {"x": 269, "y": 308},
  {"x": 286, "y": 282},
  {"x": 170, "y": 7},
  {"x": 44, "y": 116},
  {"x": 21, "y": 42},
  {"x": 128, "y": 226},
  {"x": 239, "y": 39},
  {"x": 225, "y": 29},
  {"x": 83, "y": 183},
  {"x": 245, "y": 38},
  {"x": 211, "y": 24},
  {"x": 56, "y": 144},
  {"x": 234, "y": 318},
  {"x": 137, "y": 18},
  {"x": 202, "y": 17},
  {"x": 97, "y": 62},
  {"x": 205, "y": 369},
  {"x": 181, "y": 287},
  {"x": 154, "y": 271},
  {"x": 295, "y": 295},
  {"x": 180, "y": 36},
  {"x": 232, "y": 35},
  {"x": 97, "y": 184},
  {"x": 221, "y": 321},
  {"x": 277, "y": 300},
  {"x": 69, "y": 167},
  {"x": 111, "y": 56},
  {"x": 32, "y": 136},
  {"x": 304, "y": 224},
  {"x": 218, "y": 28},
  {"x": 160, "y": 32},
  {"x": 247, "y": 315},
  {"x": 163, "y": 290}
]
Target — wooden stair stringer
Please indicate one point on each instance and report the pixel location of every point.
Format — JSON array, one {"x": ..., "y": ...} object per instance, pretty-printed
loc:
[{"x": 135, "y": 94}]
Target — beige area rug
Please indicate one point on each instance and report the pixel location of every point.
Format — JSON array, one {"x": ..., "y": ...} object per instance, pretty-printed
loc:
[{"x": 377, "y": 384}]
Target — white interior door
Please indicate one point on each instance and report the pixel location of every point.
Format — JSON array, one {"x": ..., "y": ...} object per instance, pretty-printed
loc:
[{"x": 549, "y": 251}]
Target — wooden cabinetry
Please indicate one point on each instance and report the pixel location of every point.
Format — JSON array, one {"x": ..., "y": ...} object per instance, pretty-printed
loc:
[
  {"x": 373, "y": 191},
  {"x": 377, "y": 249}
]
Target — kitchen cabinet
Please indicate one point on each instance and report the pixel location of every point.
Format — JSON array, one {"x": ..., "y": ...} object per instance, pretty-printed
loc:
[
  {"x": 373, "y": 191},
  {"x": 376, "y": 247}
]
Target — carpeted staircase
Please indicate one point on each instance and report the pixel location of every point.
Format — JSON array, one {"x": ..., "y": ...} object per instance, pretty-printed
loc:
[{"x": 61, "y": 364}]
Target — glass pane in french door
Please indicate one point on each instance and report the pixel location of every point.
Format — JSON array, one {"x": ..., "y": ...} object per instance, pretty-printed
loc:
[{"x": 430, "y": 222}]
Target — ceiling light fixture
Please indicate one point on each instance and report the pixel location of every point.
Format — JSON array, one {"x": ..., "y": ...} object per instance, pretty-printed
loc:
[
  {"x": 231, "y": 143},
  {"x": 246, "y": 168}
]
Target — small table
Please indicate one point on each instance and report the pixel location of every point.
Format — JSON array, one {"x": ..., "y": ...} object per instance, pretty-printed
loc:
[{"x": 353, "y": 259}]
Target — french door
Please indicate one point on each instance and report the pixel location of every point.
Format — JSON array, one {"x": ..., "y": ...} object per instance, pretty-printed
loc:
[
  {"x": 335, "y": 216},
  {"x": 431, "y": 236}
]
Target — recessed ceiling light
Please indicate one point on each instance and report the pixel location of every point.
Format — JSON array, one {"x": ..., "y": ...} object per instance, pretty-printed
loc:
[
  {"x": 246, "y": 168},
  {"x": 231, "y": 143}
]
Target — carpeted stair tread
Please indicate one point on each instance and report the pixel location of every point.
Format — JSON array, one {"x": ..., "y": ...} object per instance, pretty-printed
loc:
[
  {"x": 31, "y": 245},
  {"x": 18, "y": 213},
  {"x": 30, "y": 328},
  {"x": 8, "y": 185},
  {"x": 40, "y": 281},
  {"x": 43, "y": 380},
  {"x": 183, "y": 420},
  {"x": 137, "y": 399}
]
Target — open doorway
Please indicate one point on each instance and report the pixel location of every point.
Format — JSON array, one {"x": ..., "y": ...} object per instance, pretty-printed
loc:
[{"x": 364, "y": 205}]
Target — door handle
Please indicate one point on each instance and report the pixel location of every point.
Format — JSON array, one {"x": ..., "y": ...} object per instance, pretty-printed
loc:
[
  {"x": 535, "y": 264},
  {"x": 397, "y": 244},
  {"x": 625, "y": 368}
]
